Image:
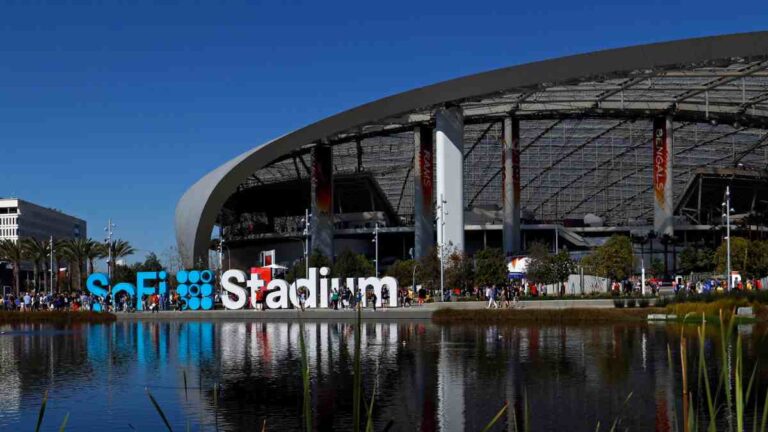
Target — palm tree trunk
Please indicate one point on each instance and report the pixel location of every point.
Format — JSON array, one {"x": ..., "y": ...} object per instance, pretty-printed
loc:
[
  {"x": 17, "y": 277},
  {"x": 34, "y": 275}
]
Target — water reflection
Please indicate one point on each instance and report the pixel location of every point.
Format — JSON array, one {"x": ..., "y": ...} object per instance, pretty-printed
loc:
[{"x": 429, "y": 377}]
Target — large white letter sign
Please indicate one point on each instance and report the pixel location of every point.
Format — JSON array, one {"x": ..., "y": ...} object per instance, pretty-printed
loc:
[
  {"x": 277, "y": 299},
  {"x": 231, "y": 288},
  {"x": 378, "y": 285}
]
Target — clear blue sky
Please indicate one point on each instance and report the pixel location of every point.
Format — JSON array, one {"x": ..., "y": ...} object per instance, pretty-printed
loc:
[{"x": 113, "y": 109}]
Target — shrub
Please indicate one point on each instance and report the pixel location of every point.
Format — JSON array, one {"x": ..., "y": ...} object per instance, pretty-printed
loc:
[
  {"x": 630, "y": 303},
  {"x": 619, "y": 303},
  {"x": 643, "y": 303}
]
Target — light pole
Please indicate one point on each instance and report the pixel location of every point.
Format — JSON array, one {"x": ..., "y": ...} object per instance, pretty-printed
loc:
[
  {"x": 51, "y": 267},
  {"x": 108, "y": 229},
  {"x": 306, "y": 243},
  {"x": 441, "y": 246},
  {"x": 376, "y": 244},
  {"x": 727, "y": 215}
]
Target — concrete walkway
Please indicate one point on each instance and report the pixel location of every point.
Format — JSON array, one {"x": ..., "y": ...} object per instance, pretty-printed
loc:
[{"x": 408, "y": 313}]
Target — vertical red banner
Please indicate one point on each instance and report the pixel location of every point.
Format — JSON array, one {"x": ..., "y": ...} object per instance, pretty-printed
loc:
[
  {"x": 322, "y": 177},
  {"x": 660, "y": 160},
  {"x": 426, "y": 173}
]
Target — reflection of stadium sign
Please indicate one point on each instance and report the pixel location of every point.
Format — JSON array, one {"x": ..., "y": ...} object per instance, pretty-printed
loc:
[
  {"x": 517, "y": 267},
  {"x": 237, "y": 290}
]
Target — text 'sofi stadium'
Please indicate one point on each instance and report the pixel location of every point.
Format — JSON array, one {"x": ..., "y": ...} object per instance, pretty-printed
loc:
[{"x": 640, "y": 140}]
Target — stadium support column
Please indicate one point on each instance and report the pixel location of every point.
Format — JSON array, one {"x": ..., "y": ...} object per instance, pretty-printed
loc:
[
  {"x": 662, "y": 176},
  {"x": 511, "y": 186},
  {"x": 322, "y": 200},
  {"x": 449, "y": 161},
  {"x": 424, "y": 217}
]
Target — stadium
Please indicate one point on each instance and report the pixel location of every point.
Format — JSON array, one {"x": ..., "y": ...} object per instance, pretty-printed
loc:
[{"x": 642, "y": 140}]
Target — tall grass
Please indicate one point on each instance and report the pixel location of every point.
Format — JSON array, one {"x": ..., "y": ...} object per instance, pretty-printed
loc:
[{"x": 734, "y": 385}]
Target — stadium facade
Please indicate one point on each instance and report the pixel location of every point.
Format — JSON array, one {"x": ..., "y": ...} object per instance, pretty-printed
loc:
[{"x": 640, "y": 140}]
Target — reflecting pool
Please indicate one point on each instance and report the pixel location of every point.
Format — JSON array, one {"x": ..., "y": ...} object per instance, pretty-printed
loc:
[{"x": 428, "y": 377}]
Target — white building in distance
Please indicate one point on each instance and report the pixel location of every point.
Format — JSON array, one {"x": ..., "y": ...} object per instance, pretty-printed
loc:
[{"x": 21, "y": 219}]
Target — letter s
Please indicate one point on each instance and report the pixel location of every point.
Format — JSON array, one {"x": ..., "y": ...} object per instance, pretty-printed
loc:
[
  {"x": 96, "y": 284},
  {"x": 228, "y": 287}
]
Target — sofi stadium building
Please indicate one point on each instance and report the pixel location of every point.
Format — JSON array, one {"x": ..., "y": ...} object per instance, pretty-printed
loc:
[{"x": 641, "y": 140}]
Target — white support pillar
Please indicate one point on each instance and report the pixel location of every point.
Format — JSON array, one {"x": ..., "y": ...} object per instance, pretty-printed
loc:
[
  {"x": 663, "y": 201},
  {"x": 423, "y": 169},
  {"x": 449, "y": 179},
  {"x": 511, "y": 186}
]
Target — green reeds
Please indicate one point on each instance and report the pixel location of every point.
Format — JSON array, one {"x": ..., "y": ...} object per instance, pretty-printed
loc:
[
  {"x": 159, "y": 410},
  {"x": 496, "y": 418},
  {"x": 41, "y": 414},
  {"x": 64, "y": 423},
  {"x": 733, "y": 385}
]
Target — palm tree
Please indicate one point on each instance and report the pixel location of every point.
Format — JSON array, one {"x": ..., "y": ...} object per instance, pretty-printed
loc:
[
  {"x": 60, "y": 255},
  {"x": 81, "y": 250},
  {"x": 95, "y": 251},
  {"x": 13, "y": 251},
  {"x": 118, "y": 249},
  {"x": 36, "y": 251}
]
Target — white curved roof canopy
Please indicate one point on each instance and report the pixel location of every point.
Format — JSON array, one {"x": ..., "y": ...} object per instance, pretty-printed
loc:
[{"x": 700, "y": 81}]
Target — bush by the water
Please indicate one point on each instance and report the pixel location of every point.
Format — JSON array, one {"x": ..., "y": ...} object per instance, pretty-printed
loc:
[
  {"x": 55, "y": 317},
  {"x": 619, "y": 303},
  {"x": 573, "y": 315}
]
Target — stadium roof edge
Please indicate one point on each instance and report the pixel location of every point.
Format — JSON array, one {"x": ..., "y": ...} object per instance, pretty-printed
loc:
[{"x": 197, "y": 209}]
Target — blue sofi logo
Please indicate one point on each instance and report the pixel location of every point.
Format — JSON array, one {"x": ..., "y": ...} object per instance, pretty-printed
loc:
[{"x": 195, "y": 289}]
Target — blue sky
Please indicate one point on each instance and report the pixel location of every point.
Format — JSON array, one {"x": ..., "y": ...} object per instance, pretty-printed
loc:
[{"x": 112, "y": 109}]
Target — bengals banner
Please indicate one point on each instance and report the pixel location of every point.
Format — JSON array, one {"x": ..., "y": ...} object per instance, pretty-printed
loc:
[
  {"x": 660, "y": 160},
  {"x": 424, "y": 187}
]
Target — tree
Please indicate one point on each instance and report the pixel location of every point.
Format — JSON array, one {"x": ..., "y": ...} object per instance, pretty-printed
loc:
[
  {"x": 538, "y": 269},
  {"x": 127, "y": 273},
  {"x": 428, "y": 272},
  {"x": 490, "y": 267},
  {"x": 739, "y": 256},
  {"x": 350, "y": 264},
  {"x": 316, "y": 260},
  {"x": 562, "y": 267},
  {"x": 657, "y": 267},
  {"x": 36, "y": 251},
  {"x": 458, "y": 272},
  {"x": 152, "y": 263},
  {"x": 80, "y": 251},
  {"x": 13, "y": 251},
  {"x": 403, "y": 272},
  {"x": 696, "y": 259},
  {"x": 59, "y": 256},
  {"x": 613, "y": 260},
  {"x": 117, "y": 249},
  {"x": 758, "y": 258}
]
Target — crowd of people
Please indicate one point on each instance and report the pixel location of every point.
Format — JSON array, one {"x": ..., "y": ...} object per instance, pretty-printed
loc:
[{"x": 41, "y": 301}]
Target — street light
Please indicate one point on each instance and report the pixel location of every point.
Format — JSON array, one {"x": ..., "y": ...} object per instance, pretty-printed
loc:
[
  {"x": 376, "y": 241},
  {"x": 441, "y": 246},
  {"x": 727, "y": 210},
  {"x": 306, "y": 242},
  {"x": 109, "y": 230}
]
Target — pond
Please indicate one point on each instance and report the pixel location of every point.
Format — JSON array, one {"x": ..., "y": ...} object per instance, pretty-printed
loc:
[{"x": 427, "y": 377}]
